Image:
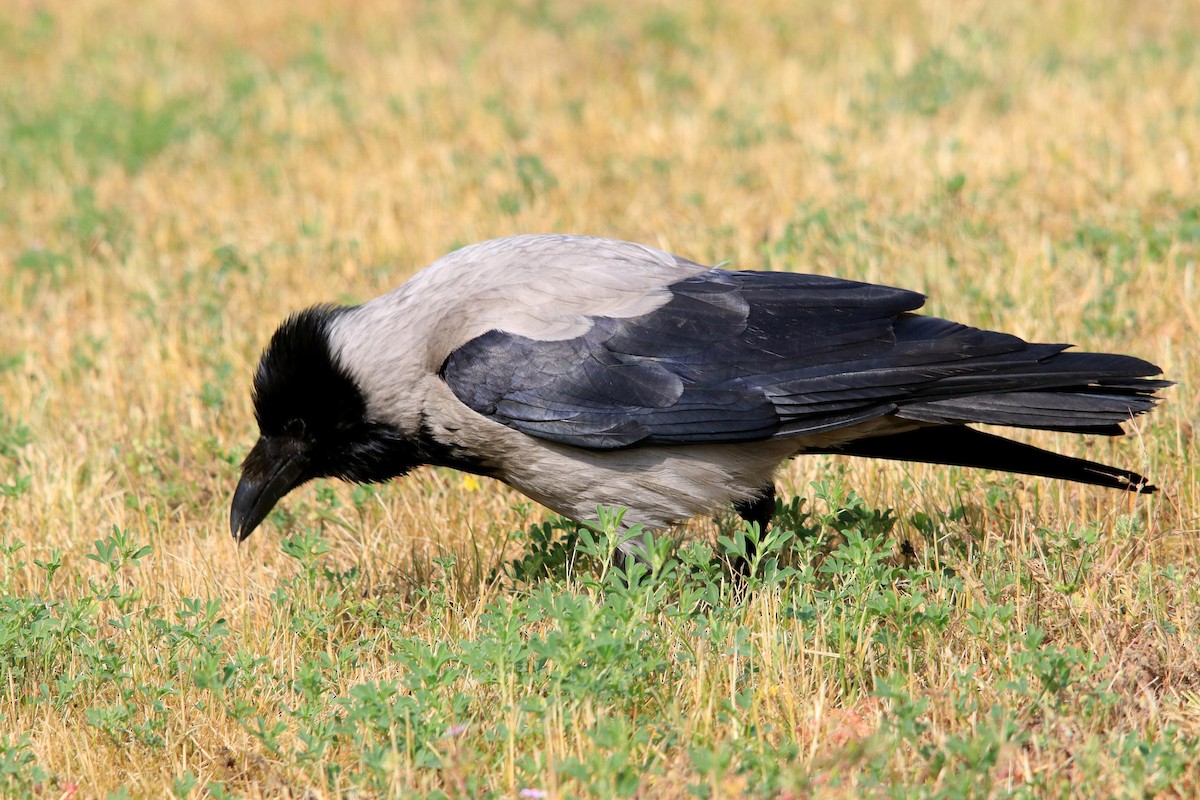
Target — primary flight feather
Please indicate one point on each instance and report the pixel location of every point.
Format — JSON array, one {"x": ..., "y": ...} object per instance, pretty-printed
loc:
[{"x": 590, "y": 372}]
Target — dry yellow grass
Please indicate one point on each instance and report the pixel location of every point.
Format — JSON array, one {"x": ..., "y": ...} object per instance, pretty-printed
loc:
[{"x": 178, "y": 177}]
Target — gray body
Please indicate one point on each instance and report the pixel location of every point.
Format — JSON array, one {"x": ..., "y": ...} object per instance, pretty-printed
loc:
[{"x": 549, "y": 288}]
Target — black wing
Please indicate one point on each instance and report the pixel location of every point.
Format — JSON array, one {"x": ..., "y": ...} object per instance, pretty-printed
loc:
[{"x": 744, "y": 356}]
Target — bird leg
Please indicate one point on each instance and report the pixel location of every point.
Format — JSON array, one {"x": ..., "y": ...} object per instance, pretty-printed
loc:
[
  {"x": 759, "y": 509},
  {"x": 630, "y": 552}
]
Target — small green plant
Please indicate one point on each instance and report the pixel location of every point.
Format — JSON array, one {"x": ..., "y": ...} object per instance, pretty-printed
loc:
[
  {"x": 549, "y": 553},
  {"x": 20, "y": 774},
  {"x": 13, "y": 435}
]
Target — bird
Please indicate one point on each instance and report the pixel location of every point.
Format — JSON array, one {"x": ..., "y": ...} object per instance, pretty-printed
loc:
[{"x": 588, "y": 372}]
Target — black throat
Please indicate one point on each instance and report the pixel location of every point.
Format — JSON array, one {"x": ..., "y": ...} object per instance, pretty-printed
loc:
[{"x": 303, "y": 393}]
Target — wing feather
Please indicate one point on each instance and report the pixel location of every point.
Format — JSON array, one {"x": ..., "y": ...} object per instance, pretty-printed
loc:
[{"x": 744, "y": 356}]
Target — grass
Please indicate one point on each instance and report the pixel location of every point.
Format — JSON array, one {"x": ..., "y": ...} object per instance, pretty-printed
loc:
[{"x": 175, "y": 178}]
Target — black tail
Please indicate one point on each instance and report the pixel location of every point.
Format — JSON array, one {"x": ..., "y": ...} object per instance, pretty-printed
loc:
[
  {"x": 1077, "y": 392},
  {"x": 966, "y": 447}
]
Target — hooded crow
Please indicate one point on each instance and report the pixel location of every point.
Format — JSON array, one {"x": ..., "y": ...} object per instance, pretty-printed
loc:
[{"x": 590, "y": 372}]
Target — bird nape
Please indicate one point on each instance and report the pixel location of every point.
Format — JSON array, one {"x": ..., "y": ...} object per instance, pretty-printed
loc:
[{"x": 590, "y": 372}]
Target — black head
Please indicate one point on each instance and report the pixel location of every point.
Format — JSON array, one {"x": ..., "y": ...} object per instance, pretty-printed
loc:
[{"x": 313, "y": 422}]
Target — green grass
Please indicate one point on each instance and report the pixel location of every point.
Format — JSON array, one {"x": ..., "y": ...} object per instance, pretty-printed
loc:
[
  {"x": 174, "y": 179},
  {"x": 574, "y": 678}
]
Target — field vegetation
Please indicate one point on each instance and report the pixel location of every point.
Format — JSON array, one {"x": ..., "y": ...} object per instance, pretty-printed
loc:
[{"x": 177, "y": 177}]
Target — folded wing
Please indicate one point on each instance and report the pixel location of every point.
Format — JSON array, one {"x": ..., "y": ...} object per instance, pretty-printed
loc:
[{"x": 745, "y": 356}]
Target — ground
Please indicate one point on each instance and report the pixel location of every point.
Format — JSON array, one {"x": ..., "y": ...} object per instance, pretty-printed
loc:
[{"x": 176, "y": 177}]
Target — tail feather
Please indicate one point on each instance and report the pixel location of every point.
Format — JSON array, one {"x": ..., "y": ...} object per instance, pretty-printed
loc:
[
  {"x": 961, "y": 446},
  {"x": 1080, "y": 411},
  {"x": 1061, "y": 391}
]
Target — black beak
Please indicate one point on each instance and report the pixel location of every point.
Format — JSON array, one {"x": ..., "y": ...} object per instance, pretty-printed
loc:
[{"x": 274, "y": 467}]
